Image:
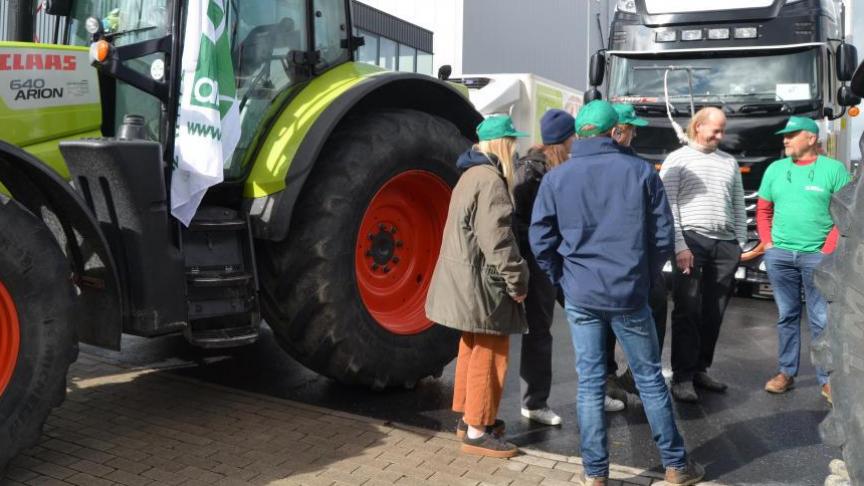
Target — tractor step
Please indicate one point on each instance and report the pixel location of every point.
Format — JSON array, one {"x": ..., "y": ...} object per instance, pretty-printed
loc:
[
  {"x": 219, "y": 280},
  {"x": 221, "y": 283},
  {"x": 222, "y": 338}
]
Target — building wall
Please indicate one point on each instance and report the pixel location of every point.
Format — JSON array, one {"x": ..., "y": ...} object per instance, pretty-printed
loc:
[{"x": 551, "y": 38}]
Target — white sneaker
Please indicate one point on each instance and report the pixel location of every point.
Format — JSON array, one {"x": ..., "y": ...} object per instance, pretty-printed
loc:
[
  {"x": 612, "y": 405},
  {"x": 543, "y": 415}
]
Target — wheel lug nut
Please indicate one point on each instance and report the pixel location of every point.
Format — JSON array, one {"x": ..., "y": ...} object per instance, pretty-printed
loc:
[
  {"x": 395, "y": 260},
  {"x": 385, "y": 268},
  {"x": 393, "y": 230},
  {"x": 382, "y": 227},
  {"x": 374, "y": 267},
  {"x": 399, "y": 243}
]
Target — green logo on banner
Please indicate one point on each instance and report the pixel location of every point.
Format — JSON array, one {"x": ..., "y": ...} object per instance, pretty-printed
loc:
[{"x": 214, "y": 75}]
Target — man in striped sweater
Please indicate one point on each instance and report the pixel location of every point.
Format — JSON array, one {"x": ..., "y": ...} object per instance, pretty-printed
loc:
[{"x": 704, "y": 188}]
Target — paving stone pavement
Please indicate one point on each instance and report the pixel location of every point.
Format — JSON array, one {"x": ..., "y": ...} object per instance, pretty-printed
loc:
[{"x": 137, "y": 427}]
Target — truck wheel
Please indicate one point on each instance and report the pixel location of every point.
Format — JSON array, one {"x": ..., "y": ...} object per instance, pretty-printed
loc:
[
  {"x": 37, "y": 334},
  {"x": 841, "y": 348},
  {"x": 345, "y": 292}
]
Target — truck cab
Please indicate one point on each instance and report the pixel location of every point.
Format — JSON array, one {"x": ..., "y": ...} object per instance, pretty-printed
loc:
[{"x": 759, "y": 61}]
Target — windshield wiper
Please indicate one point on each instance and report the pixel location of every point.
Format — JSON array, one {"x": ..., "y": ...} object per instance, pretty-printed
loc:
[
  {"x": 119, "y": 33},
  {"x": 655, "y": 109}
]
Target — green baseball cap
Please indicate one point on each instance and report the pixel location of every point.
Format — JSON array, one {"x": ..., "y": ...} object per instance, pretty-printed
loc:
[
  {"x": 595, "y": 118},
  {"x": 627, "y": 115},
  {"x": 799, "y": 123},
  {"x": 498, "y": 126}
]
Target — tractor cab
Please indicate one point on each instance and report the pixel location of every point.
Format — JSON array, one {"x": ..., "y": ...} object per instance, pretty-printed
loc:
[{"x": 275, "y": 47}]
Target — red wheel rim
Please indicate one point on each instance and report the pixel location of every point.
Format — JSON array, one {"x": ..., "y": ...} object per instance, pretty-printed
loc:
[
  {"x": 397, "y": 247},
  {"x": 9, "y": 337}
]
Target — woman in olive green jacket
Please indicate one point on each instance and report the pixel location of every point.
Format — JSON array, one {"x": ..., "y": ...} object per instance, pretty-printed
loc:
[{"x": 479, "y": 284}]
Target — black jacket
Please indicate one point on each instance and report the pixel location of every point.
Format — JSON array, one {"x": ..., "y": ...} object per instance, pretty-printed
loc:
[{"x": 530, "y": 170}]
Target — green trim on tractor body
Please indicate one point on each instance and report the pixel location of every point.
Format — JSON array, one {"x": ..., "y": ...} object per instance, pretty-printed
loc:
[
  {"x": 292, "y": 126},
  {"x": 48, "y": 93}
]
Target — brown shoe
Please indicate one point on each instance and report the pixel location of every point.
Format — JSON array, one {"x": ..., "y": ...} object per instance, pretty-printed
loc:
[
  {"x": 826, "y": 392},
  {"x": 497, "y": 429},
  {"x": 780, "y": 384},
  {"x": 488, "y": 445},
  {"x": 691, "y": 474},
  {"x": 589, "y": 481}
]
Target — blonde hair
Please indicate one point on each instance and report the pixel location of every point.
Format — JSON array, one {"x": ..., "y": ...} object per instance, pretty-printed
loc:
[
  {"x": 699, "y": 118},
  {"x": 503, "y": 149}
]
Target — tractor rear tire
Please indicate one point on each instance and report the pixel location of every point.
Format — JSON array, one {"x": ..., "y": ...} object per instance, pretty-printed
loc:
[
  {"x": 37, "y": 333},
  {"x": 344, "y": 293},
  {"x": 840, "y": 350}
]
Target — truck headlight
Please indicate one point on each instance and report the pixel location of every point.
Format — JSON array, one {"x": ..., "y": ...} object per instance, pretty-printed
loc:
[
  {"x": 746, "y": 32},
  {"x": 666, "y": 36},
  {"x": 691, "y": 35}
]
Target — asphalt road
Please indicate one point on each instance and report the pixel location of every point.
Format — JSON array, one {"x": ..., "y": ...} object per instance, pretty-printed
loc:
[{"x": 744, "y": 436}]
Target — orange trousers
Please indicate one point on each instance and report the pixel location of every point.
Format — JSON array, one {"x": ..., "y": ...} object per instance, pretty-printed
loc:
[{"x": 480, "y": 369}]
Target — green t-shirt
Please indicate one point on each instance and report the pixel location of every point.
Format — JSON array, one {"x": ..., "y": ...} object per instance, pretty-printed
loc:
[{"x": 802, "y": 195}]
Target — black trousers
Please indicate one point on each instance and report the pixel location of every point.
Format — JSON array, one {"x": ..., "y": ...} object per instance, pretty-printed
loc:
[
  {"x": 658, "y": 302},
  {"x": 535, "y": 361},
  {"x": 700, "y": 301}
]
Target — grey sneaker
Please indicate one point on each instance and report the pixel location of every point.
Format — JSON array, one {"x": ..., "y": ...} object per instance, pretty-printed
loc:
[
  {"x": 684, "y": 392},
  {"x": 488, "y": 445},
  {"x": 692, "y": 473},
  {"x": 612, "y": 404},
  {"x": 543, "y": 415}
]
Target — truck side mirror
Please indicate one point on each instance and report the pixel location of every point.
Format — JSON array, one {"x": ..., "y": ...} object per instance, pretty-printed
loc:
[
  {"x": 857, "y": 84},
  {"x": 847, "y": 60},
  {"x": 597, "y": 69},
  {"x": 845, "y": 97},
  {"x": 591, "y": 95},
  {"x": 58, "y": 7}
]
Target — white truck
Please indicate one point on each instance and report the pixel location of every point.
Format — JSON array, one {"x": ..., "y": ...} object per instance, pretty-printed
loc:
[{"x": 525, "y": 97}]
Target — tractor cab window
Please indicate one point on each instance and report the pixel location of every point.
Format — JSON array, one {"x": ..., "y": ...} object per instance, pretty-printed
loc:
[
  {"x": 128, "y": 21},
  {"x": 267, "y": 40},
  {"x": 331, "y": 32}
]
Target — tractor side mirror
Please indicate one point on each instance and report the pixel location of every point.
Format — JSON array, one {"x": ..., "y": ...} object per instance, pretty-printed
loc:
[
  {"x": 857, "y": 84},
  {"x": 845, "y": 97},
  {"x": 591, "y": 95},
  {"x": 597, "y": 69},
  {"x": 58, "y": 7},
  {"x": 847, "y": 60},
  {"x": 444, "y": 72}
]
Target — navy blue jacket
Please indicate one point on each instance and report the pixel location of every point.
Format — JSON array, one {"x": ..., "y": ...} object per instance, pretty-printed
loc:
[{"x": 601, "y": 225}]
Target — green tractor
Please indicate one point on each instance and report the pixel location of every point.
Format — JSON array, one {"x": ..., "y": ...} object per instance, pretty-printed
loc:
[{"x": 325, "y": 220}]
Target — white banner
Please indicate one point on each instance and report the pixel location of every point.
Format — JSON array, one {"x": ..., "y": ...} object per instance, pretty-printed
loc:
[{"x": 208, "y": 122}]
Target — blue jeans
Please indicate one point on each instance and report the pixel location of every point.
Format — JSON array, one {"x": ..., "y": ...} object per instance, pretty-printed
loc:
[
  {"x": 638, "y": 338},
  {"x": 789, "y": 271}
]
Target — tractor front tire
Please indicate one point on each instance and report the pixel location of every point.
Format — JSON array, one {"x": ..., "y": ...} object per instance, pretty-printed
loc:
[
  {"x": 37, "y": 331},
  {"x": 345, "y": 292},
  {"x": 840, "y": 349}
]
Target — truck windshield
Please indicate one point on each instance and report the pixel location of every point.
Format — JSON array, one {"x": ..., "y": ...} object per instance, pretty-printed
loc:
[{"x": 726, "y": 77}]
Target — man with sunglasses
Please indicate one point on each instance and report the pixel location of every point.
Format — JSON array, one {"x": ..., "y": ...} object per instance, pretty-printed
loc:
[{"x": 796, "y": 229}]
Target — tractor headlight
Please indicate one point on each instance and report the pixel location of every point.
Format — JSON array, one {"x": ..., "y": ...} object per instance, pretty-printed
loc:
[{"x": 92, "y": 25}]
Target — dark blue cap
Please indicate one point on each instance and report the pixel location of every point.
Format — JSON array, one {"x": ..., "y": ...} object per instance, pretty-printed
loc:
[{"x": 556, "y": 126}]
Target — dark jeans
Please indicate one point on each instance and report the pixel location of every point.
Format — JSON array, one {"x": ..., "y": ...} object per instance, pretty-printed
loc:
[
  {"x": 700, "y": 301},
  {"x": 659, "y": 308},
  {"x": 790, "y": 272},
  {"x": 535, "y": 360}
]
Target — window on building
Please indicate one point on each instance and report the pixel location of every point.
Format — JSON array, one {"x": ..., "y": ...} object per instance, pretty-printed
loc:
[
  {"x": 424, "y": 62},
  {"x": 406, "y": 58},
  {"x": 369, "y": 51},
  {"x": 387, "y": 54}
]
